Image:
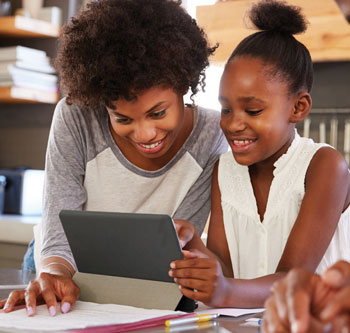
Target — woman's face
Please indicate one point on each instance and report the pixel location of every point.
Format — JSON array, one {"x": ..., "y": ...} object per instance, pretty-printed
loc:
[{"x": 149, "y": 124}]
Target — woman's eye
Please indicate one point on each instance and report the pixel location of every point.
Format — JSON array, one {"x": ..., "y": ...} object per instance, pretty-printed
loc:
[
  {"x": 123, "y": 121},
  {"x": 158, "y": 114},
  {"x": 253, "y": 112},
  {"x": 225, "y": 111}
]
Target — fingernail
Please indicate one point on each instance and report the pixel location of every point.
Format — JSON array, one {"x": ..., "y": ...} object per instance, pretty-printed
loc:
[
  {"x": 328, "y": 328},
  {"x": 325, "y": 313},
  {"x": 295, "y": 326},
  {"x": 30, "y": 311},
  {"x": 65, "y": 307},
  {"x": 170, "y": 273},
  {"x": 172, "y": 265},
  {"x": 52, "y": 311},
  {"x": 7, "y": 305},
  {"x": 335, "y": 276}
]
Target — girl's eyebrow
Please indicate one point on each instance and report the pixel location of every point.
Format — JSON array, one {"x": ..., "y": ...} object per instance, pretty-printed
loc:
[{"x": 250, "y": 99}]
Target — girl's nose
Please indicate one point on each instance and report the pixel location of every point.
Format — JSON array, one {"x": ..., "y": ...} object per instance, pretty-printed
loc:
[
  {"x": 144, "y": 132},
  {"x": 236, "y": 123}
]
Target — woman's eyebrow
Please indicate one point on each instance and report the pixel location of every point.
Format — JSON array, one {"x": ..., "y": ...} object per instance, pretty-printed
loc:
[{"x": 155, "y": 106}]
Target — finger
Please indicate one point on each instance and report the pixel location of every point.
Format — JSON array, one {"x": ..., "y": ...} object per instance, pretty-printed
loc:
[
  {"x": 273, "y": 321},
  {"x": 315, "y": 326},
  {"x": 184, "y": 232},
  {"x": 193, "y": 273},
  {"x": 196, "y": 295},
  {"x": 31, "y": 294},
  {"x": 298, "y": 297},
  {"x": 341, "y": 324},
  {"x": 337, "y": 275},
  {"x": 198, "y": 285},
  {"x": 338, "y": 304},
  {"x": 3, "y": 302},
  {"x": 70, "y": 297},
  {"x": 15, "y": 298},
  {"x": 46, "y": 282},
  {"x": 189, "y": 254},
  {"x": 279, "y": 296},
  {"x": 197, "y": 263}
]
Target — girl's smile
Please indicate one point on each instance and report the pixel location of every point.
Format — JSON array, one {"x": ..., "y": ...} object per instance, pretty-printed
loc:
[{"x": 240, "y": 145}]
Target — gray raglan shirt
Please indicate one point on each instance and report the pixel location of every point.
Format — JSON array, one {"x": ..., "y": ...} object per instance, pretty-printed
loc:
[{"x": 85, "y": 170}]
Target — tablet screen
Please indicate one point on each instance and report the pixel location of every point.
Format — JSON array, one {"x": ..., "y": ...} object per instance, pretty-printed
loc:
[{"x": 122, "y": 244}]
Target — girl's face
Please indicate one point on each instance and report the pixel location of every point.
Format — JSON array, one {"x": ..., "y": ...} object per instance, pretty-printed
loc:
[
  {"x": 256, "y": 110},
  {"x": 150, "y": 124}
]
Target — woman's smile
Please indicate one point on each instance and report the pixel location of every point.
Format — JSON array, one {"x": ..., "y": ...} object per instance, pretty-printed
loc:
[{"x": 151, "y": 148}]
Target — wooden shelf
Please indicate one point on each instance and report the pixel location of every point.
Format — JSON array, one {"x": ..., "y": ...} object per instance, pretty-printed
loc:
[
  {"x": 23, "y": 27},
  {"x": 27, "y": 95},
  {"x": 327, "y": 36}
]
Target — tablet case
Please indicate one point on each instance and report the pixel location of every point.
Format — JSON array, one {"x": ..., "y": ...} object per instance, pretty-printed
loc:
[{"x": 124, "y": 258}]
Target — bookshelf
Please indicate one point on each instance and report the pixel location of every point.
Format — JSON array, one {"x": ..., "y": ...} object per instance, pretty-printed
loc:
[
  {"x": 23, "y": 27},
  {"x": 26, "y": 96}
]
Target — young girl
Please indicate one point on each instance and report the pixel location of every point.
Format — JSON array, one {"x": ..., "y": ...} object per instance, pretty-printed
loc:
[
  {"x": 123, "y": 140},
  {"x": 278, "y": 200}
]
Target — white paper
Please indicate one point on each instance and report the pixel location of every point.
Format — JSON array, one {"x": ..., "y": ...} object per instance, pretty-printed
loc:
[{"x": 84, "y": 314}]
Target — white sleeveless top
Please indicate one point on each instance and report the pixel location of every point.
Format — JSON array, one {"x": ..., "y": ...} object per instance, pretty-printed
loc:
[{"x": 256, "y": 247}]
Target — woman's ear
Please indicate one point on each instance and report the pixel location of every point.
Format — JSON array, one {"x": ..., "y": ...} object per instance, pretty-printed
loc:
[{"x": 302, "y": 107}]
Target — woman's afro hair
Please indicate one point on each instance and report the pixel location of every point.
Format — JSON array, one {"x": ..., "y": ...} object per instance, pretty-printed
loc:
[{"x": 118, "y": 48}]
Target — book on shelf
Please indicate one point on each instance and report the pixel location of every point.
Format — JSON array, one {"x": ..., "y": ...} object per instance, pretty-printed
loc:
[
  {"x": 37, "y": 66},
  {"x": 14, "y": 76},
  {"x": 52, "y": 14},
  {"x": 11, "y": 53}
]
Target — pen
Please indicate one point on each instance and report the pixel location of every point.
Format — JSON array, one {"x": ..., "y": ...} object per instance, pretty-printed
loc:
[{"x": 195, "y": 319}]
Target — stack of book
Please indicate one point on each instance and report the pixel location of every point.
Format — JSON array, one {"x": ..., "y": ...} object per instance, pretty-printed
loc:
[{"x": 29, "y": 74}]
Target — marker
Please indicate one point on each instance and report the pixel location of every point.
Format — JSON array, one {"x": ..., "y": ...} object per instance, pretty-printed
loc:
[
  {"x": 252, "y": 322},
  {"x": 195, "y": 319}
]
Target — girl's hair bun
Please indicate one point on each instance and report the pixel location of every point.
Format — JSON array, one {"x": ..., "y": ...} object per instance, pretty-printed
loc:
[{"x": 271, "y": 15}]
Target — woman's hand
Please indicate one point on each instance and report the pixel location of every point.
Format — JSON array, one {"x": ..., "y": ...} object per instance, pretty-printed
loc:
[
  {"x": 306, "y": 302},
  {"x": 200, "y": 278},
  {"x": 47, "y": 288},
  {"x": 185, "y": 231}
]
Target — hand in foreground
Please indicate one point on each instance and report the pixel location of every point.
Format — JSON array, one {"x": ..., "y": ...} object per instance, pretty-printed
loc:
[
  {"x": 185, "y": 231},
  {"x": 200, "y": 278},
  {"x": 47, "y": 288},
  {"x": 306, "y": 302}
]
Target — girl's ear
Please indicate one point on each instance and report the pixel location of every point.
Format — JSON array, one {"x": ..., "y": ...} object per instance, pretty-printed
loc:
[{"x": 302, "y": 107}]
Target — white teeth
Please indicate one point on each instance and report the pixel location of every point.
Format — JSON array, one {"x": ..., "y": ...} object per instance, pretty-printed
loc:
[
  {"x": 153, "y": 145},
  {"x": 242, "y": 142}
]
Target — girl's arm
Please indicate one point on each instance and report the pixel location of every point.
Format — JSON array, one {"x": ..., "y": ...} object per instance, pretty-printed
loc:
[{"x": 326, "y": 197}]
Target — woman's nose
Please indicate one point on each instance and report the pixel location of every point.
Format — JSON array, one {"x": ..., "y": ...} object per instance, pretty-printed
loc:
[{"x": 144, "y": 132}]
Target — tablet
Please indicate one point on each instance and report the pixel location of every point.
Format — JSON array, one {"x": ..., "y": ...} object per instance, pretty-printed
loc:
[{"x": 122, "y": 244}]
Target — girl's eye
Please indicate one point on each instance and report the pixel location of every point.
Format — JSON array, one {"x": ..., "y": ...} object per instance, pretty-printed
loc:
[
  {"x": 158, "y": 114},
  {"x": 253, "y": 112},
  {"x": 225, "y": 111},
  {"x": 123, "y": 121}
]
